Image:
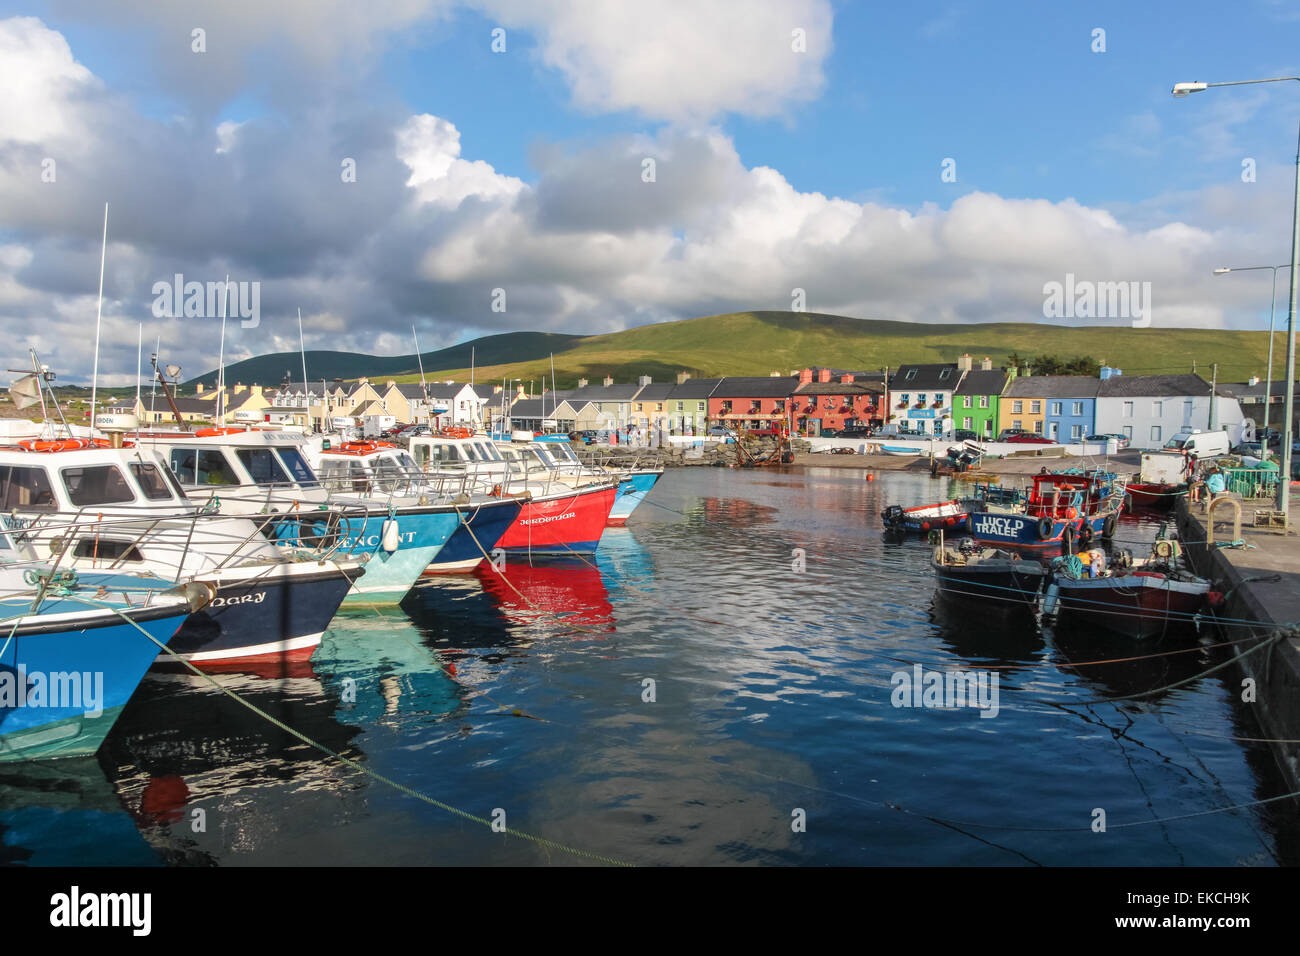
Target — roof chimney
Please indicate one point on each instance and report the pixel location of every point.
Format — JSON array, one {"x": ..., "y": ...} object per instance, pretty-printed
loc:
[
  {"x": 986, "y": 365},
  {"x": 964, "y": 363},
  {"x": 682, "y": 377},
  {"x": 1254, "y": 380},
  {"x": 824, "y": 375},
  {"x": 805, "y": 376},
  {"x": 846, "y": 378},
  {"x": 643, "y": 381},
  {"x": 582, "y": 383},
  {"x": 609, "y": 380}
]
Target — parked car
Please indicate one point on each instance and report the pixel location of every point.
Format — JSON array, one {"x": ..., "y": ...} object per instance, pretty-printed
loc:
[
  {"x": 1008, "y": 433},
  {"x": 718, "y": 431},
  {"x": 1270, "y": 435},
  {"x": 856, "y": 431},
  {"x": 1123, "y": 440},
  {"x": 1253, "y": 448},
  {"x": 965, "y": 434},
  {"x": 1030, "y": 438},
  {"x": 829, "y": 433}
]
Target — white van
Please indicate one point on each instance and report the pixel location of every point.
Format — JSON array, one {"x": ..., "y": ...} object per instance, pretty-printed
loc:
[{"x": 1200, "y": 444}]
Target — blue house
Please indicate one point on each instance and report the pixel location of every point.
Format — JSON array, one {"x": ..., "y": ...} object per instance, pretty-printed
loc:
[{"x": 1067, "y": 404}]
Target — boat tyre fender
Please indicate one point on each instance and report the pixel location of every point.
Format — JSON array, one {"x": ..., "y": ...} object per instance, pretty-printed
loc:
[
  {"x": 1044, "y": 528},
  {"x": 1108, "y": 529},
  {"x": 970, "y": 523},
  {"x": 1067, "y": 540}
]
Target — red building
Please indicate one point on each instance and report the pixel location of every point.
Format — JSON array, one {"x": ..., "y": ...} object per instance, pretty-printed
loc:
[
  {"x": 824, "y": 403},
  {"x": 750, "y": 401}
]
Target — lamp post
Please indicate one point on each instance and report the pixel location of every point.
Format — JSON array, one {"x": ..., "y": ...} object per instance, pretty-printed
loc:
[
  {"x": 1284, "y": 478},
  {"x": 1272, "y": 305}
]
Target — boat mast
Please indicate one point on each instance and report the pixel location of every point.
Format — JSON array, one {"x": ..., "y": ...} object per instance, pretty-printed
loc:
[
  {"x": 221, "y": 360},
  {"x": 99, "y": 313},
  {"x": 424, "y": 389}
]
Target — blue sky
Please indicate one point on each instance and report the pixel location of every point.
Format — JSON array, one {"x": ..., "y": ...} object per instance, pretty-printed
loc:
[{"x": 518, "y": 170}]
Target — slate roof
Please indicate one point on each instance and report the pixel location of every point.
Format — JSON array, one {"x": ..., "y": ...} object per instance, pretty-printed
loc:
[
  {"x": 605, "y": 393},
  {"x": 1153, "y": 386},
  {"x": 840, "y": 388},
  {"x": 695, "y": 388},
  {"x": 1054, "y": 386},
  {"x": 655, "y": 392},
  {"x": 925, "y": 377},
  {"x": 756, "y": 386},
  {"x": 983, "y": 382}
]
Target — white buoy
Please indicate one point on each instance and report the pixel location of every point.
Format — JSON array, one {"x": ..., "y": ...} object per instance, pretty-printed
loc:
[{"x": 390, "y": 538}]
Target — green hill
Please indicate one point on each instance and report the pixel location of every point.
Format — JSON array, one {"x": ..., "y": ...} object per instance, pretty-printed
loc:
[
  {"x": 757, "y": 343},
  {"x": 488, "y": 350}
]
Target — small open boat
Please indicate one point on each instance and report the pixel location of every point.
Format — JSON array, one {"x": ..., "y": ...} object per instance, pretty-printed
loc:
[
  {"x": 995, "y": 577},
  {"x": 923, "y": 518}
]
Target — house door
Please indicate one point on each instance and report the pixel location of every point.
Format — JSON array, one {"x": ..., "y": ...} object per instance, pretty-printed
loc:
[{"x": 1053, "y": 429}]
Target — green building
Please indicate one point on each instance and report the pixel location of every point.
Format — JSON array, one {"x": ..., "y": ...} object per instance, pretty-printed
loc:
[{"x": 975, "y": 403}]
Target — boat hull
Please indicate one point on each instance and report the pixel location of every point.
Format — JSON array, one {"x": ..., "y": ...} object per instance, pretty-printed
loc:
[
  {"x": 1136, "y": 605},
  {"x": 639, "y": 485},
  {"x": 277, "y": 612},
  {"x": 480, "y": 529},
  {"x": 112, "y": 651},
  {"x": 560, "y": 524},
  {"x": 998, "y": 584},
  {"x": 1157, "y": 497},
  {"x": 1021, "y": 531}
]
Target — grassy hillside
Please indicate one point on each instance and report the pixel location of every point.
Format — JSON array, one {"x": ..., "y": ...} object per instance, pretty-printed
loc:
[
  {"x": 488, "y": 350},
  {"x": 757, "y": 343}
]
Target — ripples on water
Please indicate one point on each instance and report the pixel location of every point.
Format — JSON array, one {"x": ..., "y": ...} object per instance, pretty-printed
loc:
[{"x": 772, "y": 695}]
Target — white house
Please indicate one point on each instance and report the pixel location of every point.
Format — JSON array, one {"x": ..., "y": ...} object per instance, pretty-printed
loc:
[{"x": 1151, "y": 409}]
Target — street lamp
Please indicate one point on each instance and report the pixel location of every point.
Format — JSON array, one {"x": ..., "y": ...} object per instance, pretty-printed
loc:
[
  {"x": 1284, "y": 478},
  {"x": 1268, "y": 386}
]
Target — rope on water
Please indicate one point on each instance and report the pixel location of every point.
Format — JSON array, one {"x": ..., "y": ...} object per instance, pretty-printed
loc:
[{"x": 361, "y": 768}]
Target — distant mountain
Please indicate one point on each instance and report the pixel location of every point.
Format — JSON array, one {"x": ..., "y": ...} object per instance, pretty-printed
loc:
[
  {"x": 758, "y": 343},
  {"x": 502, "y": 349}
]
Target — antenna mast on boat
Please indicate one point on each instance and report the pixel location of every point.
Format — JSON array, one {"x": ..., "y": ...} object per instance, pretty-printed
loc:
[
  {"x": 153, "y": 386},
  {"x": 221, "y": 356},
  {"x": 99, "y": 313},
  {"x": 139, "y": 360},
  {"x": 557, "y": 426},
  {"x": 302, "y": 350},
  {"x": 424, "y": 389}
]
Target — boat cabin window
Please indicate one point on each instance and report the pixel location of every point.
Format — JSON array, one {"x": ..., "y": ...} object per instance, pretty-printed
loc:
[
  {"x": 345, "y": 477},
  {"x": 151, "y": 481},
  {"x": 471, "y": 452},
  {"x": 202, "y": 466},
  {"x": 90, "y": 485},
  {"x": 106, "y": 549},
  {"x": 25, "y": 488},
  {"x": 263, "y": 466},
  {"x": 297, "y": 466},
  {"x": 390, "y": 475},
  {"x": 444, "y": 453},
  {"x": 488, "y": 452},
  {"x": 565, "y": 452}
]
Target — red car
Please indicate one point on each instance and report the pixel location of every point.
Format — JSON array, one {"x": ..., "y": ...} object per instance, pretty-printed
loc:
[{"x": 1029, "y": 438}]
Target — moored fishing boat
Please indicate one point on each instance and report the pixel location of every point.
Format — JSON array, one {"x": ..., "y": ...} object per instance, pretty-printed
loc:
[
  {"x": 995, "y": 578},
  {"x": 75, "y": 648},
  {"x": 1139, "y": 599}
]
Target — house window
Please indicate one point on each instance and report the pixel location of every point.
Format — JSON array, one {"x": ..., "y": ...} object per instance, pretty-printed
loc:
[
  {"x": 921, "y": 398},
  {"x": 679, "y": 406},
  {"x": 779, "y": 405},
  {"x": 726, "y": 407},
  {"x": 1187, "y": 412},
  {"x": 1076, "y": 432},
  {"x": 984, "y": 401},
  {"x": 944, "y": 373},
  {"x": 966, "y": 423},
  {"x": 1128, "y": 410},
  {"x": 1076, "y": 409},
  {"x": 1056, "y": 408},
  {"x": 907, "y": 399},
  {"x": 1038, "y": 425},
  {"x": 966, "y": 402},
  {"x": 1017, "y": 407},
  {"x": 911, "y": 374},
  {"x": 1017, "y": 424},
  {"x": 1157, "y": 409},
  {"x": 659, "y": 406},
  {"x": 1128, "y": 432},
  {"x": 701, "y": 406},
  {"x": 1035, "y": 408},
  {"x": 639, "y": 407},
  {"x": 1155, "y": 433}
]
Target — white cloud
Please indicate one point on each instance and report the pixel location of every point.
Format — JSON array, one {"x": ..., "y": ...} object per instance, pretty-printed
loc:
[
  {"x": 430, "y": 146},
  {"x": 680, "y": 59},
  {"x": 37, "y": 70}
]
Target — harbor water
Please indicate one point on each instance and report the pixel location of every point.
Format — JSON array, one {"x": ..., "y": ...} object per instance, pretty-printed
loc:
[{"x": 715, "y": 687}]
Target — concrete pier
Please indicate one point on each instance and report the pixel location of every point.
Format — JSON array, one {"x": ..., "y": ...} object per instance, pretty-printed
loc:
[{"x": 1262, "y": 582}]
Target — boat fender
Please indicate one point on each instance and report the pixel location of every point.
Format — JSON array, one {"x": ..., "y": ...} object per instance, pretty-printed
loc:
[
  {"x": 1067, "y": 541},
  {"x": 970, "y": 523},
  {"x": 925, "y": 526},
  {"x": 1044, "y": 528},
  {"x": 949, "y": 521},
  {"x": 1108, "y": 529},
  {"x": 389, "y": 537}
]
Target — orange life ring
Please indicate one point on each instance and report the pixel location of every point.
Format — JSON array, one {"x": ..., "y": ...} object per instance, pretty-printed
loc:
[
  {"x": 456, "y": 431},
  {"x": 60, "y": 444}
]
